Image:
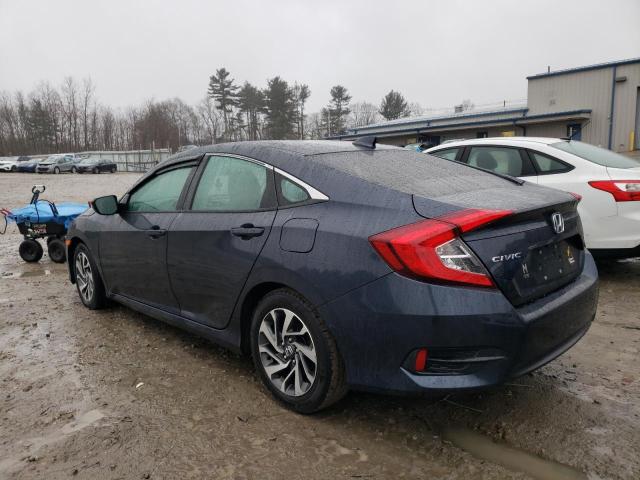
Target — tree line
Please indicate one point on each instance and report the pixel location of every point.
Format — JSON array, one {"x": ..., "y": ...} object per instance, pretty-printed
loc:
[{"x": 69, "y": 117}]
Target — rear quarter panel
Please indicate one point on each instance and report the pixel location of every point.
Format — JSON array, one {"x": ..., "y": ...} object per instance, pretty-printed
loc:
[{"x": 341, "y": 258}]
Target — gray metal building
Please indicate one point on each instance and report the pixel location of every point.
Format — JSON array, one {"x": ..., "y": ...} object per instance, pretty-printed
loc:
[{"x": 598, "y": 104}]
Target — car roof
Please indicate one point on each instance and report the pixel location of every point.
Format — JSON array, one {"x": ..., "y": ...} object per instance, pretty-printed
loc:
[
  {"x": 498, "y": 141},
  {"x": 296, "y": 147}
]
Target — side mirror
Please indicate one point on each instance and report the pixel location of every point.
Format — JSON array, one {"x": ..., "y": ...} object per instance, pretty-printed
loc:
[{"x": 105, "y": 205}]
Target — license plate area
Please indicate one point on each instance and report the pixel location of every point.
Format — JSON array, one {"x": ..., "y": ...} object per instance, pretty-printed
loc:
[{"x": 549, "y": 267}]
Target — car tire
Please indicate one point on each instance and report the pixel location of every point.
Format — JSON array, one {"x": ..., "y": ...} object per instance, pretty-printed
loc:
[
  {"x": 14, "y": 168},
  {"x": 74, "y": 170},
  {"x": 113, "y": 169},
  {"x": 56, "y": 170},
  {"x": 88, "y": 281},
  {"x": 56, "y": 250},
  {"x": 30, "y": 250},
  {"x": 95, "y": 170},
  {"x": 289, "y": 374}
]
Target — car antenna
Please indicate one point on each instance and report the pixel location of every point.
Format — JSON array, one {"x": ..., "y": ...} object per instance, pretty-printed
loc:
[{"x": 366, "y": 142}]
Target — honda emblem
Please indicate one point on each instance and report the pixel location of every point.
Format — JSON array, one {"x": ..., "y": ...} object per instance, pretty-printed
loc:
[{"x": 558, "y": 222}]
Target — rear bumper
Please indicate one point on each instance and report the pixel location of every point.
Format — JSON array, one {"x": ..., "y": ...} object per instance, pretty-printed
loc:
[
  {"x": 475, "y": 337},
  {"x": 616, "y": 252},
  {"x": 615, "y": 233}
]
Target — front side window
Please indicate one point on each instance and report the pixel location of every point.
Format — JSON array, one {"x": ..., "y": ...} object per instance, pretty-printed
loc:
[
  {"x": 548, "y": 165},
  {"x": 598, "y": 155},
  {"x": 231, "y": 184},
  {"x": 161, "y": 193},
  {"x": 498, "y": 159},
  {"x": 447, "y": 153}
]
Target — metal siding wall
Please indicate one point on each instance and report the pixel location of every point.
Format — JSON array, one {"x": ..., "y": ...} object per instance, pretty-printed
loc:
[
  {"x": 624, "y": 113},
  {"x": 554, "y": 130},
  {"x": 591, "y": 89}
]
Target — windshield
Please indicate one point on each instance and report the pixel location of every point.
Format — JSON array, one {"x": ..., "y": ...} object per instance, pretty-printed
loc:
[
  {"x": 88, "y": 161},
  {"x": 52, "y": 158},
  {"x": 598, "y": 155}
]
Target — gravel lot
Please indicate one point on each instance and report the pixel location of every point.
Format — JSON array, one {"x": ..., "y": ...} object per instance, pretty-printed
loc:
[{"x": 113, "y": 394}]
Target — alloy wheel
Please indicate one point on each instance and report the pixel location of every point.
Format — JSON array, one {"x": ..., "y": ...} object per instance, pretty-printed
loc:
[
  {"x": 84, "y": 276},
  {"x": 287, "y": 352}
]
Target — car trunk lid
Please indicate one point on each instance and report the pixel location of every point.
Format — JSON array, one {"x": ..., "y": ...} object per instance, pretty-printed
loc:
[{"x": 535, "y": 250}]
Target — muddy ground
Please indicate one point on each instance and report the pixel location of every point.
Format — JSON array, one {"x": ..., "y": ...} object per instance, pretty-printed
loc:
[{"x": 113, "y": 394}]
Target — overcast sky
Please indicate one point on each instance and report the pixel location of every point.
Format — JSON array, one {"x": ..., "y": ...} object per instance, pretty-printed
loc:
[{"x": 436, "y": 53}]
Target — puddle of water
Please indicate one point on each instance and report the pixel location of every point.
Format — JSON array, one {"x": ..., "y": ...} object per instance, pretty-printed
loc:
[
  {"x": 82, "y": 421},
  {"x": 35, "y": 444},
  {"x": 30, "y": 273},
  {"x": 509, "y": 457}
]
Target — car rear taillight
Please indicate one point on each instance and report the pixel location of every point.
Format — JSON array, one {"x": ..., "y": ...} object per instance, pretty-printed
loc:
[
  {"x": 622, "y": 190},
  {"x": 432, "y": 250}
]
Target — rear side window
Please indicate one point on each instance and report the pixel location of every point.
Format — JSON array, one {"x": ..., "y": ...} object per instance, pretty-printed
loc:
[
  {"x": 232, "y": 184},
  {"x": 290, "y": 193},
  {"x": 503, "y": 160},
  {"x": 447, "y": 153},
  {"x": 161, "y": 193},
  {"x": 548, "y": 165}
]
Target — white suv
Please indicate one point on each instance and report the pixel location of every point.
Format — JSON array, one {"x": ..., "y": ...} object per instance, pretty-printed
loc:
[
  {"x": 10, "y": 164},
  {"x": 608, "y": 182}
]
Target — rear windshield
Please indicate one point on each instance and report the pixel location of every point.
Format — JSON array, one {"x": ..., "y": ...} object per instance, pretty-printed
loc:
[
  {"x": 598, "y": 155},
  {"x": 411, "y": 172}
]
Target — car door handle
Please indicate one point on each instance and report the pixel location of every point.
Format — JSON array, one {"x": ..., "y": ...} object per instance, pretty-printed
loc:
[
  {"x": 247, "y": 231},
  {"x": 156, "y": 232}
]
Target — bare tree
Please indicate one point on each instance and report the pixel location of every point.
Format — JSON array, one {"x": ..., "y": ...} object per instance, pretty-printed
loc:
[
  {"x": 70, "y": 105},
  {"x": 211, "y": 118},
  {"x": 362, "y": 114},
  {"x": 88, "y": 89},
  {"x": 415, "y": 109}
]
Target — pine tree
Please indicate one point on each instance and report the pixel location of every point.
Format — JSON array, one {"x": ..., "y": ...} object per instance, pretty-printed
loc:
[
  {"x": 223, "y": 90},
  {"x": 394, "y": 106},
  {"x": 280, "y": 109},
  {"x": 338, "y": 109},
  {"x": 251, "y": 102}
]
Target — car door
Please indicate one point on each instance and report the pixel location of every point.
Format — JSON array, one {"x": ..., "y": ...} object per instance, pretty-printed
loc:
[
  {"x": 133, "y": 243},
  {"x": 67, "y": 163},
  {"x": 214, "y": 244},
  {"x": 506, "y": 160}
]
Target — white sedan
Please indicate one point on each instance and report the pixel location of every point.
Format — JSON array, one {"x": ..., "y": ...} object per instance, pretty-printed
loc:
[{"x": 609, "y": 183}]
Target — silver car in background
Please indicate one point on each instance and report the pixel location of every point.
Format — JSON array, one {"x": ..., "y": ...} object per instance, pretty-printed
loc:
[{"x": 59, "y": 163}]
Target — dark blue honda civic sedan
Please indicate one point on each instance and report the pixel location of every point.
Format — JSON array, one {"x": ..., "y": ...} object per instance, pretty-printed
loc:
[{"x": 343, "y": 266}]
